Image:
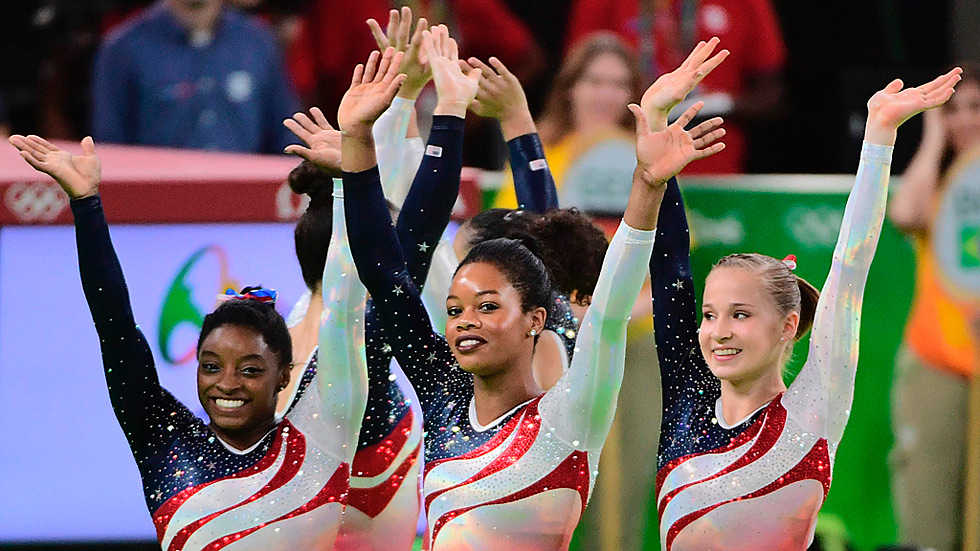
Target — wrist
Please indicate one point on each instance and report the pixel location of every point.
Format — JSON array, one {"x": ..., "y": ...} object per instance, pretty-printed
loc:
[
  {"x": 517, "y": 124},
  {"x": 410, "y": 91},
  {"x": 880, "y": 134},
  {"x": 360, "y": 132},
  {"x": 451, "y": 107}
]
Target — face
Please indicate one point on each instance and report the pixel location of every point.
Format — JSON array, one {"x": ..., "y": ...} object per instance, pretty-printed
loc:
[
  {"x": 238, "y": 379},
  {"x": 741, "y": 330},
  {"x": 487, "y": 329},
  {"x": 600, "y": 96},
  {"x": 962, "y": 117}
]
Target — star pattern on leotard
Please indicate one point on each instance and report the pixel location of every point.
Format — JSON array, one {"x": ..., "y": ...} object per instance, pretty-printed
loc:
[
  {"x": 423, "y": 246},
  {"x": 398, "y": 290}
]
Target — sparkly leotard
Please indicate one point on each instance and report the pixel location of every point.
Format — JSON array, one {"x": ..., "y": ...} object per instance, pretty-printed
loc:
[
  {"x": 760, "y": 483},
  {"x": 285, "y": 492},
  {"x": 522, "y": 481},
  {"x": 383, "y": 508}
]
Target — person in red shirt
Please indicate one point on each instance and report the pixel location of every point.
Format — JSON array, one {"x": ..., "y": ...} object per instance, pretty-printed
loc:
[{"x": 747, "y": 89}]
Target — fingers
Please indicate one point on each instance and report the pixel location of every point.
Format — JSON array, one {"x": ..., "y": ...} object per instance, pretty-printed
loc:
[
  {"x": 391, "y": 71},
  {"x": 705, "y": 127},
  {"x": 642, "y": 126},
  {"x": 295, "y": 128},
  {"x": 358, "y": 75},
  {"x": 941, "y": 81},
  {"x": 710, "y": 65},
  {"x": 392, "y": 28},
  {"x": 451, "y": 48},
  {"x": 88, "y": 146},
  {"x": 688, "y": 115},
  {"x": 370, "y": 68},
  {"x": 709, "y": 138},
  {"x": 404, "y": 28},
  {"x": 393, "y": 87},
  {"x": 422, "y": 25},
  {"x": 474, "y": 75},
  {"x": 300, "y": 151},
  {"x": 704, "y": 153},
  {"x": 383, "y": 65},
  {"x": 429, "y": 44},
  {"x": 501, "y": 69},
  {"x": 41, "y": 144},
  {"x": 306, "y": 123},
  {"x": 894, "y": 86},
  {"x": 703, "y": 51},
  {"x": 939, "y": 97},
  {"x": 321, "y": 120},
  {"x": 378, "y": 34},
  {"x": 33, "y": 161}
]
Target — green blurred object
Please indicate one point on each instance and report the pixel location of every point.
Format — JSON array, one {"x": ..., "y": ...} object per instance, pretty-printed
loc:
[{"x": 801, "y": 215}]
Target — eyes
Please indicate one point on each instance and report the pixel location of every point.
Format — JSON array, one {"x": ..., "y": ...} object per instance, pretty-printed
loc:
[
  {"x": 484, "y": 307},
  {"x": 211, "y": 368},
  {"x": 738, "y": 314}
]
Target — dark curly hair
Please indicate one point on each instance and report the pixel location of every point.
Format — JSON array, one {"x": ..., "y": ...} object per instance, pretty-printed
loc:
[
  {"x": 577, "y": 245},
  {"x": 516, "y": 259},
  {"x": 314, "y": 228},
  {"x": 260, "y": 317}
]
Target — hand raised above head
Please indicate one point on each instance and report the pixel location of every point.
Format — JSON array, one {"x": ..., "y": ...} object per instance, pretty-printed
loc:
[
  {"x": 671, "y": 88},
  {"x": 455, "y": 89},
  {"x": 661, "y": 155},
  {"x": 400, "y": 37},
  {"x": 890, "y": 107},
  {"x": 322, "y": 141},
  {"x": 371, "y": 91},
  {"x": 78, "y": 175}
]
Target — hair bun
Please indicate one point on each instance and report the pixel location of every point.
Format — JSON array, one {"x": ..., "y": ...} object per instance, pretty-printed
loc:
[{"x": 307, "y": 179}]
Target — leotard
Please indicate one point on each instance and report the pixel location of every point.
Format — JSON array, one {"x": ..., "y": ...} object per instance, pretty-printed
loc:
[
  {"x": 759, "y": 483},
  {"x": 522, "y": 481},
  {"x": 287, "y": 491}
]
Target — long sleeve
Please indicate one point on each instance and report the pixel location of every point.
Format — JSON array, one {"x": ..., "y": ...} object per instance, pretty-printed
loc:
[
  {"x": 533, "y": 183},
  {"x": 441, "y": 272},
  {"x": 341, "y": 378},
  {"x": 398, "y": 155},
  {"x": 820, "y": 397},
  {"x": 682, "y": 367},
  {"x": 134, "y": 387},
  {"x": 429, "y": 204},
  {"x": 423, "y": 355},
  {"x": 581, "y": 406}
]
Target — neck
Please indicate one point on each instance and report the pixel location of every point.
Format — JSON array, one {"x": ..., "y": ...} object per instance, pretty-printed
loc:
[
  {"x": 740, "y": 398},
  {"x": 305, "y": 336},
  {"x": 244, "y": 440},
  {"x": 495, "y": 395}
]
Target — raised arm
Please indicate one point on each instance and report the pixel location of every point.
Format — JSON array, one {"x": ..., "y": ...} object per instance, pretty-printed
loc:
[
  {"x": 374, "y": 245},
  {"x": 129, "y": 368},
  {"x": 341, "y": 379},
  {"x": 581, "y": 406},
  {"x": 502, "y": 97},
  {"x": 822, "y": 393}
]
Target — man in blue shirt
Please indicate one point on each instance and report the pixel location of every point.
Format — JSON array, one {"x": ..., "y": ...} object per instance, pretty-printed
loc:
[{"x": 193, "y": 74}]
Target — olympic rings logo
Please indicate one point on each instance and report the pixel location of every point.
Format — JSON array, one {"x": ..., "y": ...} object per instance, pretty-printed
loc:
[{"x": 35, "y": 201}]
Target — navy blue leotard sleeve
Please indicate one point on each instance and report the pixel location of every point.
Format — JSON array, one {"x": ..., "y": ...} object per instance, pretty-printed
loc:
[
  {"x": 533, "y": 183},
  {"x": 424, "y": 355},
  {"x": 137, "y": 398},
  {"x": 687, "y": 384},
  {"x": 429, "y": 204}
]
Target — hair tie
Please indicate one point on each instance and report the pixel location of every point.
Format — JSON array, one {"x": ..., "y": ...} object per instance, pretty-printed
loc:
[
  {"x": 790, "y": 261},
  {"x": 267, "y": 296}
]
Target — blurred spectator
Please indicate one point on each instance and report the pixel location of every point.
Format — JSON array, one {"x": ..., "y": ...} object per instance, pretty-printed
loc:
[
  {"x": 585, "y": 108},
  {"x": 934, "y": 366},
  {"x": 195, "y": 74},
  {"x": 748, "y": 88},
  {"x": 335, "y": 36}
]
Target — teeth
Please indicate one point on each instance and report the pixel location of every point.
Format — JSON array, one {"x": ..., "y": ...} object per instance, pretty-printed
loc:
[
  {"x": 229, "y": 403},
  {"x": 469, "y": 342},
  {"x": 726, "y": 352}
]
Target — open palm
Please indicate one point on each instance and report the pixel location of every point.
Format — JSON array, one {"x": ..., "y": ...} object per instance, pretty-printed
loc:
[
  {"x": 371, "y": 91},
  {"x": 892, "y": 106},
  {"x": 661, "y": 155},
  {"x": 78, "y": 175},
  {"x": 671, "y": 88},
  {"x": 455, "y": 89},
  {"x": 417, "y": 73},
  {"x": 322, "y": 141}
]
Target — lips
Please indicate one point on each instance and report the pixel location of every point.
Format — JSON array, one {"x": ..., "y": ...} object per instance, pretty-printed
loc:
[
  {"x": 725, "y": 354},
  {"x": 468, "y": 343},
  {"x": 228, "y": 404}
]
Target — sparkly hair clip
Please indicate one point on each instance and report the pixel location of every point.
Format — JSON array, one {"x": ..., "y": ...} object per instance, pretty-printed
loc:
[
  {"x": 267, "y": 296},
  {"x": 790, "y": 261}
]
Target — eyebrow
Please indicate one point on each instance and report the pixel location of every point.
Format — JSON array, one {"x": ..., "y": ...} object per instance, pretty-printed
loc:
[
  {"x": 243, "y": 358},
  {"x": 479, "y": 294},
  {"x": 734, "y": 304}
]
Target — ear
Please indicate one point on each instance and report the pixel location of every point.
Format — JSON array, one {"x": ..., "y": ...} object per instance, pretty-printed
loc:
[
  {"x": 284, "y": 375},
  {"x": 790, "y": 324},
  {"x": 538, "y": 317}
]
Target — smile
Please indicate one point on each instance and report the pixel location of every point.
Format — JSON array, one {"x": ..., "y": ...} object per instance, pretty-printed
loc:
[
  {"x": 469, "y": 344},
  {"x": 228, "y": 404},
  {"x": 725, "y": 354}
]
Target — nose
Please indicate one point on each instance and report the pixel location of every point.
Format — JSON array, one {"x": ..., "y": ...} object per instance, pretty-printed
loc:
[
  {"x": 720, "y": 331},
  {"x": 465, "y": 321},
  {"x": 227, "y": 380}
]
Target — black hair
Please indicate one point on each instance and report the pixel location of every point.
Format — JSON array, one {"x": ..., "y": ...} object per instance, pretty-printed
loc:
[
  {"x": 576, "y": 245},
  {"x": 494, "y": 223},
  {"x": 314, "y": 228},
  {"x": 261, "y": 317},
  {"x": 516, "y": 259}
]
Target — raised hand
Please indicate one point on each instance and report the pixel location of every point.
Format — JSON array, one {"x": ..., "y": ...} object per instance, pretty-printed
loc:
[
  {"x": 322, "y": 141},
  {"x": 500, "y": 96},
  {"x": 78, "y": 175},
  {"x": 455, "y": 90},
  {"x": 371, "y": 91},
  {"x": 661, "y": 155},
  {"x": 417, "y": 74},
  {"x": 893, "y": 105},
  {"x": 671, "y": 88}
]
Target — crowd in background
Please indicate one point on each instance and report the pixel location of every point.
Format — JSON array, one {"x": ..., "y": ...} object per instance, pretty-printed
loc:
[{"x": 77, "y": 68}]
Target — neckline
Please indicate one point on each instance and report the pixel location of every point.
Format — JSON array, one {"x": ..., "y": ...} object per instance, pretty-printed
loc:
[
  {"x": 248, "y": 450},
  {"x": 483, "y": 428},
  {"x": 721, "y": 418}
]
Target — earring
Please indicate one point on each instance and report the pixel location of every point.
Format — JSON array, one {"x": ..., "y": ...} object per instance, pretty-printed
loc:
[{"x": 533, "y": 333}]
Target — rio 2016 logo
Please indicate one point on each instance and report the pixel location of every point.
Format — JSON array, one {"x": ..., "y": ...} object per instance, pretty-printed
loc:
[{"x": 179, "y": 307}]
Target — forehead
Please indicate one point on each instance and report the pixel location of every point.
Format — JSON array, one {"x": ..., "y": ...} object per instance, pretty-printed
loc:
[
  {"x": 235, "y": 340},
  {"x": 967, "y": 94},
  {"x": 607, "y": 65},
  {"x": 477, "y": 277},
  {"x": 727, "y": 285}
]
